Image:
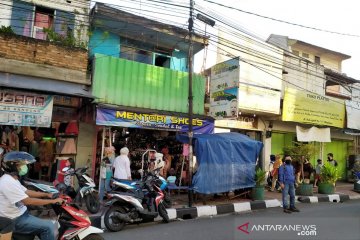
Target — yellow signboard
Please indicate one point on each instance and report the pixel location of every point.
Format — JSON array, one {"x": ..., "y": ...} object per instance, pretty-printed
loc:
[{"x": 305, "y": 107}]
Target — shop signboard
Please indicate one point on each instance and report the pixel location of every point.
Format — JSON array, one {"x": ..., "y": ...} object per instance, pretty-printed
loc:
[
  {"x": 242, "y": 122},
  {"x": 224, "y": 87},
  {"x": 25, "y": 109},
  {"x": 259, "y": 99},
  {"x": 353, "y": 114},
  {"x": 130, "y": 119},
  {"x": 305, "y": 107}
]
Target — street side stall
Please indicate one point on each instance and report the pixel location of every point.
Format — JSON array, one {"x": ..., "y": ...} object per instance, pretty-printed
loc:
[{"x": 224, "y": 162}]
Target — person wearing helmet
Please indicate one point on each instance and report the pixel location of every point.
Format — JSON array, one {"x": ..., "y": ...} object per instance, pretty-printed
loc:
[{"x": 14, "y": 198}]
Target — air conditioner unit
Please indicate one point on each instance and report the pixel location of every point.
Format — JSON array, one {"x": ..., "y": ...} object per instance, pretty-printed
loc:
[{"x": 38, "y": 33}]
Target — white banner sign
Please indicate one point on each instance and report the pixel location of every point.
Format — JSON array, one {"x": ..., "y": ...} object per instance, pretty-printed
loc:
[
  {"x": 259, "y": 99},
  {"x": 25, "y": 109},
  {"x": 353, "y": 114}
]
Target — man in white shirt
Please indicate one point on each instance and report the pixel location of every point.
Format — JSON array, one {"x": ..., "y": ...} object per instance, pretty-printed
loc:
[
  {"x": 14, "y": 198},
  {"x": 122, "y": 165}
]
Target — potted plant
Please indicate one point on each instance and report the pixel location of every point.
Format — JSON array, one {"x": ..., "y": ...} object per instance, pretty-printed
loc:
[
  {"x": 258, "y": 191},
  {"x": 328, "y": 175}
]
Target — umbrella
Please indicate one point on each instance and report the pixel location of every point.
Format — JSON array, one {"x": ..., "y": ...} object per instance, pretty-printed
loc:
[{"x": 21, "y": 156}]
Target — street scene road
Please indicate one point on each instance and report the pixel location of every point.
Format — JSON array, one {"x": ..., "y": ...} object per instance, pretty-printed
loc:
[{"x": 333, "y": 221}]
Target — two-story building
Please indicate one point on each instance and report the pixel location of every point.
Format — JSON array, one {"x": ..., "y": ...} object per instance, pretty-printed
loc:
[
  {"x": 45, "y": 98},
  {"x": 315, "y": 94},
  {"x": 140, "y": 85}
]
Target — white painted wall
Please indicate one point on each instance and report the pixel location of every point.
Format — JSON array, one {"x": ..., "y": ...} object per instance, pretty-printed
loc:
[{"x": 5, "y": 13}]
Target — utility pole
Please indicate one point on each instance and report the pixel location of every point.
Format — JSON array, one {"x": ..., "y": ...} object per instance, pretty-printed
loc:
[{"x": 190, "y": 132}]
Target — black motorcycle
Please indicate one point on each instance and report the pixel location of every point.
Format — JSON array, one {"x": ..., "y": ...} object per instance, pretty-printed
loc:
[{"x": 144, "y": 203}]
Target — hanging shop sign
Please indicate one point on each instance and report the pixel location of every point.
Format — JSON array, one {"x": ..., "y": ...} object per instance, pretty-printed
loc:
[
  {"x": 25, "y": 109},
  {"x": 224, "y": 87},
  {"x": 353, "y": 114},
  {"x": 242, "y": 122},
  {"x": 112, "y": 117},
  {"x": 304, "y": 107}
]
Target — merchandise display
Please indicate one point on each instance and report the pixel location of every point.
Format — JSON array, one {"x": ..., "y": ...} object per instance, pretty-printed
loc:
[
  {"x": 47, "y": 145},
  {"x": 138, "y": 141}
]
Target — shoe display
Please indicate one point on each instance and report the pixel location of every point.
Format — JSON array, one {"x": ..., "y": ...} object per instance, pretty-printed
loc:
[
  {"x": 287, "y": 210},
  {"x": 294, "y": 209}
]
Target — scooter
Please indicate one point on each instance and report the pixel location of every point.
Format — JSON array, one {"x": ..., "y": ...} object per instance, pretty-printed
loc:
[
  {"x": 127, "y": 207},
  {"x": 86, "y": 189},
  {"x": 73, "y": 224},
  {"x": 122, "y": 185}
]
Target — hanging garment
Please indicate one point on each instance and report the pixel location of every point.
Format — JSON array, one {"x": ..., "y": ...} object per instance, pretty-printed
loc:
[
  {"x": 28, "y": 134},
  {"x": 62, "y": 127},
  {"x": 34, "y": 149},
  {"x": 72, "y": 128},
  {"x": 69, "y": 147}
]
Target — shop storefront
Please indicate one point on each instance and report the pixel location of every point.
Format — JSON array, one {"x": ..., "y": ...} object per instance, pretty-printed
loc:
[
  {"x": 44, "y": 125},
  {"x": 143, "y": 130},
  {"x": 308, "y": 110}
]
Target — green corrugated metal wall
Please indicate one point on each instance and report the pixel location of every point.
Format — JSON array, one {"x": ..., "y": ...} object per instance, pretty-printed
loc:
[{"x": 128, "y": 83}]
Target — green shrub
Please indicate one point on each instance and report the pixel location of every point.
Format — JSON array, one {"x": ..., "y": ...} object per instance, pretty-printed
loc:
[
  {"x": 329, "y": 173},
  {"x": 260, "y": 176}
]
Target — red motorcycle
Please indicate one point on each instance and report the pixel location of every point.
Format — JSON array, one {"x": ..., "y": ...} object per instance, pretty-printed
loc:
[{"x": 73, "y": 223}]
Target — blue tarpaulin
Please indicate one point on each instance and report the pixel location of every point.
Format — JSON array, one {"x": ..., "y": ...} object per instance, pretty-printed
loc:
[{"x": 226, "y": 161}]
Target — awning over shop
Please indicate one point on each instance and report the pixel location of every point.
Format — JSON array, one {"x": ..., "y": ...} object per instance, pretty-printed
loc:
[
  {"x": 151, "y": 119},
  {"x": 44, "y": 85}
]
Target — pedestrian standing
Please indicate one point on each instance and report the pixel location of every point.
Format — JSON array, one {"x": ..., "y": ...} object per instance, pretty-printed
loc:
[
  {"x": 287, "y": 184},
  {"x": 122, "y": 165},
  {"x": 331, "y": 159},
  {"x": 317, "y": 171},
  {"x": 308, "y": 170},
  {"x": 275, "y": 172}
]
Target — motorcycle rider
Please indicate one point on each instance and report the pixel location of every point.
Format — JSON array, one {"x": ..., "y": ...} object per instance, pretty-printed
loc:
[{"x": 14, "y": 198}]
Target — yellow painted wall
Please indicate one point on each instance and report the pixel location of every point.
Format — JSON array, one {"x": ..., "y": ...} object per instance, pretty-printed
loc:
[{"x": 326, "y": 59}]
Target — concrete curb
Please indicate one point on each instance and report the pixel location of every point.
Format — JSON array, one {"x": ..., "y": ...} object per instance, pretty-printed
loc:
[
  {"x": 325, "y": 198},
  {"x": 203, "y": 211},
  {"x": 213, "y": 210}
]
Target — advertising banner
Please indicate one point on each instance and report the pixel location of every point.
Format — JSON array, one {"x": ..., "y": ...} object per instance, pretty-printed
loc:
[
  {"x": 224, "y": 87},
  {"x": 25, "y": 109},
  {"x": 305, "y": 107},
  {"x": 353, "y": 114},
  {"x": 259, "y": 99},
  {"x": 112, "y": 117}
]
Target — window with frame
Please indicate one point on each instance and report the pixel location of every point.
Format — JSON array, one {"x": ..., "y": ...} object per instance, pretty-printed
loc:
[
  {"x": 317, "y": 59},
  {"x": 134, "y": 54},
  {"x": 305, "y": 55},
  {"x": 44, "y": 18}
]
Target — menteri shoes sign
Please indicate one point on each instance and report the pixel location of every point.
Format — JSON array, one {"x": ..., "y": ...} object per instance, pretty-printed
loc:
[{"x": 112, "y": 117}]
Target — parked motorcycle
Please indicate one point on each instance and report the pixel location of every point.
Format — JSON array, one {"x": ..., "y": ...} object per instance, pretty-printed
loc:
[
  {"x": 86, "y": 189},
  {"x": 145, "y": 202},
  {"x": 73, "y": 224},
  {"x": 122, "y": 185}
]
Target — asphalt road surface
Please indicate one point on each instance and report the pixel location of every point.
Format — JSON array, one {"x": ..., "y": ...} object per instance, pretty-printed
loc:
[{"x": 338, "y": 221}]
